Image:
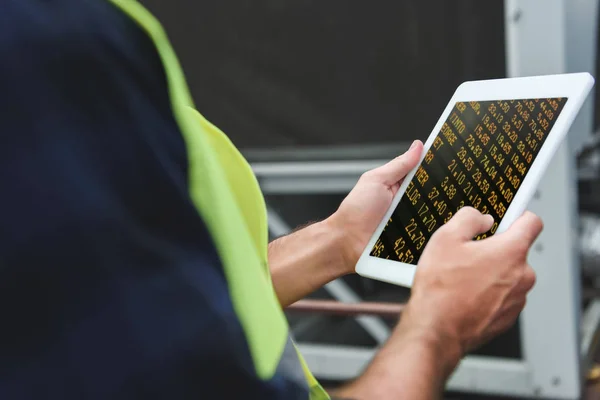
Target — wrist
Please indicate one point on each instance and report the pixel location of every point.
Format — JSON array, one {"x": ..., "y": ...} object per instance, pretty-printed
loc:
[
  {"x": 414, "y": 363},
  {"x": 343, "y": 244},
  {"x": 418, "y": 330}
]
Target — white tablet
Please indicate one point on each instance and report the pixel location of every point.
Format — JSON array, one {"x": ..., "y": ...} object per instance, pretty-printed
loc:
[{"x": 488, "y": 150}]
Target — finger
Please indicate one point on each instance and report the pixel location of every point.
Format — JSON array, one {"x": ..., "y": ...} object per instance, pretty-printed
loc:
[
  {"x": 468, "y": 223},
  {"x": 524, "y": 230},
  {"x": 527, "y": 280},
  {"x": 397, "y": 169}
]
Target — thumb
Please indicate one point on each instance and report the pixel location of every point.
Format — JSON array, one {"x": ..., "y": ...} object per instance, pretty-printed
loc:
[
  {"x": 525, "y": 229},
  {"x": 395, "y": 170}
]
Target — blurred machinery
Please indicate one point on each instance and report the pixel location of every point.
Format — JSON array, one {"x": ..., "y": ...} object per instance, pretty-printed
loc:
[
  {"x": 590, "y": 250},
  {"x": 315, "y": 93},
  {"x": 589, "y": 207}
]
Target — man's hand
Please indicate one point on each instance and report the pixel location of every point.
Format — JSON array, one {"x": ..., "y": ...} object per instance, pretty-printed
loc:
[
  {"x": 464, "y": 293},
  {"x": 311, "y": 257},
  {"x": 362, "y": 210},
  {"x": 471, "y": 290}
]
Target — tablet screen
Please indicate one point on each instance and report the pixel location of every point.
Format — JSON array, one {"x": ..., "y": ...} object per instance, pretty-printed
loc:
[{"x": 479, "y": 158}]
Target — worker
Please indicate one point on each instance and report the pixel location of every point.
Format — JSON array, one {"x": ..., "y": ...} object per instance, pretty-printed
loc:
[{"x": 133, "y": 252}]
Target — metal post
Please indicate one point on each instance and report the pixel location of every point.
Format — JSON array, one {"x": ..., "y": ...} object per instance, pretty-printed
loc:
[{"x": 550, "y": 37}]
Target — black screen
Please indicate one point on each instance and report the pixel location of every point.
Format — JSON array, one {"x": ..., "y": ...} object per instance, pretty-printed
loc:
[{"x": 479, "y": 158}]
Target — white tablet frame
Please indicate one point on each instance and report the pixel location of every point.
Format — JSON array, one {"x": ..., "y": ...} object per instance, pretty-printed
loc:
[{"x": 575, "y": 87}]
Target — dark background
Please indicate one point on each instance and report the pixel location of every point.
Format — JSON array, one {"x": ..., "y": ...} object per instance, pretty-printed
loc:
[{"x": 297, "y": 73}]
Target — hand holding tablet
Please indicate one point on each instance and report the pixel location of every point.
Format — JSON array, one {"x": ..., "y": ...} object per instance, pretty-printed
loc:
[
  {"x": 455, "y": 267},
  {"x": 488, "y": 151}
]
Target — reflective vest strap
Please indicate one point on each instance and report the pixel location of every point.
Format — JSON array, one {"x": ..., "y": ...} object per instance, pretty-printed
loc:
[
  {"x": 316, "y": 390},
  {"x": 253, "y": 299},
  {"x": 244, "y": 185}
]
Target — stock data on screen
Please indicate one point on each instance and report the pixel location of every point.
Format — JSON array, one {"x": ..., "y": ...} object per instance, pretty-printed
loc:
[{"x": 479, "y": 158}]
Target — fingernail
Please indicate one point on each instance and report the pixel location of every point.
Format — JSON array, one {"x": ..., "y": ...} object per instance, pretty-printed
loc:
[
  {"x": 491, "y": 218},
  {"x": 412, "y": 146}
]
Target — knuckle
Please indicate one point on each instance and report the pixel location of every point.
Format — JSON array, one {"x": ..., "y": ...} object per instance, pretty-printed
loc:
[
  {"x": 445, "y": 231},
  {"x": 529, "y": 278},
  {"x": 463, "y": 216},
  {"x": 470, "y": 215},
  {"x": 524, "y": 279},
  {"x": 520, "y": 248},
  {"x": 469, "y": 211},
  {"x": 368, "y": 175},
  {"x": 400, "y": 161},
  {"x": 436, "y": 238}
]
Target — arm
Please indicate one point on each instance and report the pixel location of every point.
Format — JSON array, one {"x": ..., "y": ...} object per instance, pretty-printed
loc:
[
  {"x": 414, "y": 364},
  {"x": 456, "y": 305},
  {"x": 307, "y": 259},
  {"x": 311, "y": 257}
]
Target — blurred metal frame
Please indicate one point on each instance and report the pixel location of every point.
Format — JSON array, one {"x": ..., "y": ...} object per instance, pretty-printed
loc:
[
  {"x": 548, "y": 37},
  {"x": 542, "y": 37}
]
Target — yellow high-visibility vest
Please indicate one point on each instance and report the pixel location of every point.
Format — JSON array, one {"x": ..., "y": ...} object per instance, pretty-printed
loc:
[{"x": 226, "y": 193}]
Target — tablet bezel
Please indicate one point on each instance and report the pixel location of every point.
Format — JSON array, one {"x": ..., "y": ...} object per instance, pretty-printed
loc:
[{"x": 575, "y": 87}]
